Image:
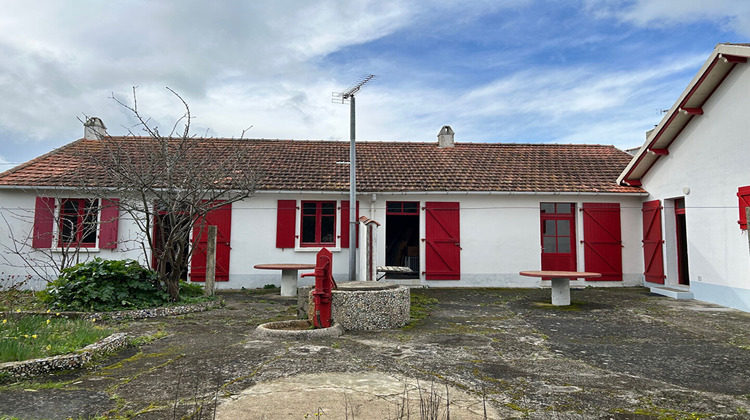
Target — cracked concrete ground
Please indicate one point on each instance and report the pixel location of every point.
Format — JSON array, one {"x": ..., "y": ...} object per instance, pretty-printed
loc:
[{"x": 494, "y": 353}]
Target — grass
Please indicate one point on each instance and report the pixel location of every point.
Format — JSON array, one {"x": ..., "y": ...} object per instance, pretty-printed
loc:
[{"x": 36, "y": 336}]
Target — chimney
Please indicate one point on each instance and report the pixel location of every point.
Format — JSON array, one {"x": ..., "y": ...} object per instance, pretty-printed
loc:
[
  {"x": 445, "y": 137},
  {"x": 94, "y": 129}
]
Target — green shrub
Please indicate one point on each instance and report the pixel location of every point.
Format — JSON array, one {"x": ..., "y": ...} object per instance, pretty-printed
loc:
[
  {"x": 102, "y": 285},
  {"x": 190, "y": 289}
]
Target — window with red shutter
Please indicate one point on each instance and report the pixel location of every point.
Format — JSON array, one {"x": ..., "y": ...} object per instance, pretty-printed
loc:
[
  {"x": 78, "y": 222},
  {"x": 743, "y": 193},
  {"x": 75, "y": 222},
  {"x": 318, "y": 224}
]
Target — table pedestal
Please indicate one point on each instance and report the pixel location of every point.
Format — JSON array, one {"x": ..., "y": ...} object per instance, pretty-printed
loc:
[
  {"x": 560, "y": 291},
  {"x": 288, "y": 282}
]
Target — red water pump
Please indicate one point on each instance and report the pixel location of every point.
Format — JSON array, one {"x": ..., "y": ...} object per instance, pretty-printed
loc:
[{"x": 324, "y": 283}]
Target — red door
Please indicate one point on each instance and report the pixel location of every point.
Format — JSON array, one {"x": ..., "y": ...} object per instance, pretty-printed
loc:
[
  {"x": 653, "y": 260},
  {"x": 558, "y": 236},
  {"x": 222, "y": 219},
  {"x": 602, "y": 240},
  {"x": 442, "y": 241}
]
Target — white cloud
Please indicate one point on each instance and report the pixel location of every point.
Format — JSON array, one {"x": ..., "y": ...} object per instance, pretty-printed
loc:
[{"x": 734, "y": 15}]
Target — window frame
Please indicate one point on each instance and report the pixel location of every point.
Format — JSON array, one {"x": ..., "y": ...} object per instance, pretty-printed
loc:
[
  {"x": 390, "y": 208},
  {"x": 85, "y": 209},
  {"x": 318, "y": 223},
  {"x": 557, "y": 216}
]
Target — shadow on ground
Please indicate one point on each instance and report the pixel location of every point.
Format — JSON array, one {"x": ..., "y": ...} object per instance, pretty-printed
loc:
[{"x": 613, "y": 354}]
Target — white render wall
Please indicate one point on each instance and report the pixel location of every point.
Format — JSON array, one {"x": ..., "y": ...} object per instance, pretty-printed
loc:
[
  {"x": 16, "y": 227},
  {"x": 710, "y": 158},
  {"x": 500, "y": 236}
]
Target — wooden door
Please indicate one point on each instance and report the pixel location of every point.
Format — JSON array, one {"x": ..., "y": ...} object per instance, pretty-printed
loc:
[
  {"x": 602, "y": 240},
  {"x": 442, "y": 241},
  {"x": 222, "y": 219},
  {"x": 653, "y": 257},
  {"x": 558, "y": 236}
]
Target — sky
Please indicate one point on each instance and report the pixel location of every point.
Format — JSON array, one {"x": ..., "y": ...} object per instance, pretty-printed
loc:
[{"x": 513, "y": 71}]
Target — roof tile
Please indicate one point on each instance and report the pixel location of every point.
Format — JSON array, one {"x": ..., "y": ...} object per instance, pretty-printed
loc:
[{"x": 381, "y": 166}]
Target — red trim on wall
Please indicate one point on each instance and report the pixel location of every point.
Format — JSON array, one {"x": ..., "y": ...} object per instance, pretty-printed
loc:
[
  {"x": 286, "y": 219},
  {"x": 345, "y": 224},
  {"x": 653, "y": 244},
  {"x": 602, "y": 240},
  {"x": 743, "y": 193},
  {"x": 109, "y": 226},
  {"x": 44, "y": 220}
]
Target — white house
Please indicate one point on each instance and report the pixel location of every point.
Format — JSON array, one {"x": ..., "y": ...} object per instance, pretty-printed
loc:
[
  {"x": 458, "y": 214},
  {"x": 694, "y": 165}
]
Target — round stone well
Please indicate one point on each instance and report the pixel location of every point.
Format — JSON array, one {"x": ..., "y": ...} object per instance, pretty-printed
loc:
[{"x": 370, "y": 305}]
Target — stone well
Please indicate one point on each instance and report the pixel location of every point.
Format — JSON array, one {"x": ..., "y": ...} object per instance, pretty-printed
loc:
[{"x": 364, "y": 305}]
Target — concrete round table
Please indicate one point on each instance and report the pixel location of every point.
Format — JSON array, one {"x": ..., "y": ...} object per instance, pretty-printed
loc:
[
  {"x": 560, "y": 282},
  {"x": 289, "y": 275}
]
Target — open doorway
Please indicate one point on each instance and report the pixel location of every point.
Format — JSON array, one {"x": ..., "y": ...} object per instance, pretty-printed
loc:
[
  {"x": 402, "y": 237},
  {"x": 682, "y": 244}
]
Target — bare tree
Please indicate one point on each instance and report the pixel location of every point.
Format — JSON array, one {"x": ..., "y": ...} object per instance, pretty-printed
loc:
[{"x": 167, "y": 183}]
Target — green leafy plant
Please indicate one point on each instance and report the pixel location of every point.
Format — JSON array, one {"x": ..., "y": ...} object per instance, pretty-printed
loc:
[
  {"x": 190, "y": 289},
  {"x": 102, "y": 285}
]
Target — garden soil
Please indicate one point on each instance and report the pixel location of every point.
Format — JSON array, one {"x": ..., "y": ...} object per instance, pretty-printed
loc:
[{"x": 481, "y": 353}]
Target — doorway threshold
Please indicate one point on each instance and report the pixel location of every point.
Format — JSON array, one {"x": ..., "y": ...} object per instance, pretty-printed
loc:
[{"x": 673, "y": 291}]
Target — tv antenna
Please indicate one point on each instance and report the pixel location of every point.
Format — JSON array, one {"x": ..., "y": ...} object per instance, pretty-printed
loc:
[{"x": 347, "y": 96}]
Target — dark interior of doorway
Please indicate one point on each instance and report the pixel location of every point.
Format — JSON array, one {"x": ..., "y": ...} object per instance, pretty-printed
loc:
[
  {"x": 682, "y": 245},
  {"x": 402, "y": 244}
]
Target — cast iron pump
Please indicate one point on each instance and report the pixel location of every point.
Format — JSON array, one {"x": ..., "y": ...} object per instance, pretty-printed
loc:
[{"x": 324, "y": 283}]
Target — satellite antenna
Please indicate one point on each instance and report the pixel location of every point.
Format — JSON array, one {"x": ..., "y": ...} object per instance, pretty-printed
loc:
[{"x": 344, "y": 97}]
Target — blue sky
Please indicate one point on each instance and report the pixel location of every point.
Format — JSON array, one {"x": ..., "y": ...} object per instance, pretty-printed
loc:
[{"x": 588, "y": 71}]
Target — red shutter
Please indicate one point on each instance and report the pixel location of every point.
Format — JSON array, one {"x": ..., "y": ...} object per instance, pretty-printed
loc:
[
  {"x": 345, "y": 224},
  {"x": 743, "y": 193},
  {"x": 442, "y": 241},
  {"x": 109, "y": 223},
  {"x": 222, "y": 219},
  {"x": 602, "y": 240},
  {"x": 653, "y": 259},
  {"x": 44, "y": 218},
  {"x": 286, "y": 217}
]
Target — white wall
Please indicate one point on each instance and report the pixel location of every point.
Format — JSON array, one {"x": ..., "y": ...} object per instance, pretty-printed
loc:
[
  {"x": 710, "y": 157},
  {"x": 500, "y": 236},
  {"x": 16, "y": 227}
]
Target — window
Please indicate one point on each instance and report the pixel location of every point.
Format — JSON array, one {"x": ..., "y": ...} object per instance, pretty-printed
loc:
[
  {"x": 402, "y": 207},
  {"x": 557, "y": 223},
  {"x": 79, "y": 219},
  {"x": 318, "y": 223},
  {"x": 75, "y": 222}
]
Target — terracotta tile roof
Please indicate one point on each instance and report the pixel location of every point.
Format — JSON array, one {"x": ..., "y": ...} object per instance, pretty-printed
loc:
[{"x": 381, "y": 166}]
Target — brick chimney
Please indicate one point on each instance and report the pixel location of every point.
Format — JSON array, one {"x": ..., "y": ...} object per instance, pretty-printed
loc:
[
  {"x": 445, "y": 136},
  {"x": 94, "y": 129}
]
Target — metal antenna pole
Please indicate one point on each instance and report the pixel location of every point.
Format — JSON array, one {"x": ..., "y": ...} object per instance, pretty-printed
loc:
[
  {"x": 352, "y": 193},
  {"x": 348, "y": 95}
]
